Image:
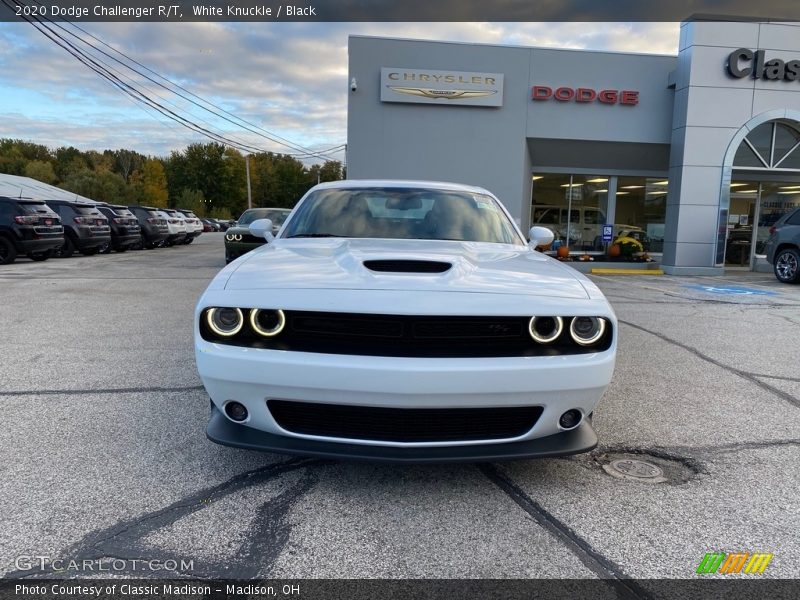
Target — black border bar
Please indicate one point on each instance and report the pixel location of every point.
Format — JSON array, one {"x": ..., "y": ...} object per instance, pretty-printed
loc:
[{"x": 394, "y": 11}]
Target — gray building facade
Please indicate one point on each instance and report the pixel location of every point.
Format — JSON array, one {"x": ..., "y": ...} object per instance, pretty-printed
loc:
[{"x": 694, "y": 155}]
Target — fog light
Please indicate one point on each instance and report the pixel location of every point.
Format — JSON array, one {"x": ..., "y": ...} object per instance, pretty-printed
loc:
[
  {"x": 570, "y": 419},
  {"x": 237, "y": 411}
]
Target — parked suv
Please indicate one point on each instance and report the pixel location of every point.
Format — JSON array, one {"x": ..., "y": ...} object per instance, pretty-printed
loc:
[
  {"x": 194, "y": 227},
  {"x": 125, "y": 230},
  {"x": 85, "y": 228},
  {"x": 154, "y": 230},
  {"x": 783, "y": 247},
  {"x": 176, "y": 224},
  {"x": 28, "y": 227}
]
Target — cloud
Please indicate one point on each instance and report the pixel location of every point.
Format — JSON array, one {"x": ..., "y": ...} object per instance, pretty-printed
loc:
[{"x": 289, "y": 78}]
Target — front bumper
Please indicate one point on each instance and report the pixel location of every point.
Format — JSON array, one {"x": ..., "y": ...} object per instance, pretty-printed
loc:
[
  {"x": 252, "y": 376},
  {"x": 236, "y": 249},
  {"x": 222, "y": 431}
]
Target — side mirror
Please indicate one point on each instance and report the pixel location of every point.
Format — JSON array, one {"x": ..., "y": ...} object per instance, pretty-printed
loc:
[
  {"x": 540, "y": 236},
  {"x": 262, "y": 228}
]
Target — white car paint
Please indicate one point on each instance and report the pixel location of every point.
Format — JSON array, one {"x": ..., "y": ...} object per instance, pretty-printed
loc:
[{"x": 327, "y": 274}]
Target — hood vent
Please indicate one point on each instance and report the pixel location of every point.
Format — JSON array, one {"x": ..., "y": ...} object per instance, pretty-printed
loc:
[{"x": 407, "y": 266}]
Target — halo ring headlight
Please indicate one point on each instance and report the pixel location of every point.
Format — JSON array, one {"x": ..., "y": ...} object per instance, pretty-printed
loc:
[
  {"x": 271, "y": 332},
  {"x": 587, "y": 337},
  {"x": 545, "y": 338},
  {"x": 225, "y": 322}
]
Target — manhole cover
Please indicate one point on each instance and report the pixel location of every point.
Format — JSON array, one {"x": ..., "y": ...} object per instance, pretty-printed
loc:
[{"x": 632, "y": 468}]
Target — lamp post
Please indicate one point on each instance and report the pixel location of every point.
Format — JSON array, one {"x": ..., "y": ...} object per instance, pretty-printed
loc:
[{"x": 247, "y": 171}]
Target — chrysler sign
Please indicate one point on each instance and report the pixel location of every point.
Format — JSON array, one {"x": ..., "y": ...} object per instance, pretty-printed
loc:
[{"x": 441, "y": 87}]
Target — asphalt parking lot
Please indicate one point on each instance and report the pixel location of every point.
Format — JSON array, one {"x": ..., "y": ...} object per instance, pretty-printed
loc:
[{"x": 103, "y": 452}]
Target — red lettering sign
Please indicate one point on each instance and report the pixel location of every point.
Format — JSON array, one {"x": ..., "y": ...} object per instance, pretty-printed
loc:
[{"x": 585, "y": 95}]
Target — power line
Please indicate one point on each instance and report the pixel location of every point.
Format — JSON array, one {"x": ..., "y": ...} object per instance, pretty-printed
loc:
[{"x": 301, "y": 150}]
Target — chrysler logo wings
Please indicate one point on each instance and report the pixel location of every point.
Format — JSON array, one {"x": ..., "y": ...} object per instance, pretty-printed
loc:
[{"x": 446, "y": 94}]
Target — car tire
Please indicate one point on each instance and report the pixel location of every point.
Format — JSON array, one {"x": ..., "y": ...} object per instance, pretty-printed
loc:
[
  {"x": 89, "y": 251},
  {"x": 40, "y": 256},
  {"x": 121, "y": 249},
  {"x": 104, "y": 249},
  {"x": 189, "y": 241},
  {"x": 787, "y": 265},
  {"x": 8, "y": 254},
  {"x": 67, "y": 250}
]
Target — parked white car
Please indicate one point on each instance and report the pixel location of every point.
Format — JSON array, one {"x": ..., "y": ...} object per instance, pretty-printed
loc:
[
  {"x": 176, "y": 224},
  {"x": 194, "y": 226},
  {"x": 403, "y": 321}
]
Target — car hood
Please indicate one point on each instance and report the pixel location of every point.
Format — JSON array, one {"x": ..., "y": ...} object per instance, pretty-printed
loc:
[
  {"x": 245, "y": 229},
  {"x": 339, "y": 264}
]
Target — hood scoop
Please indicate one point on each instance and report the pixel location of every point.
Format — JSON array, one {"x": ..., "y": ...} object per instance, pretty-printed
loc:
[{"x": 407, "y": 266}]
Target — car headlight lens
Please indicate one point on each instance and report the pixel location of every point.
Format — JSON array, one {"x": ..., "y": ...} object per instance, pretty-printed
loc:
[
  {"x": 225, "y": 322},
  {"x": 267, "y": 322},
  {"x": 545, "y": 329},
  {"x": 587, "y": 330},
  {"x": 233, "y": 237}
]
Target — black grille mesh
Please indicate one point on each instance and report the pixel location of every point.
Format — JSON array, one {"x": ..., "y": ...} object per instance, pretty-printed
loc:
[{"x": 404, "y": 424}]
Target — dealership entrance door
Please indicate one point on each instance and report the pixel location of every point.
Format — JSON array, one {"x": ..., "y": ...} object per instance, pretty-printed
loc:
[{"x": 765, "y": 185}]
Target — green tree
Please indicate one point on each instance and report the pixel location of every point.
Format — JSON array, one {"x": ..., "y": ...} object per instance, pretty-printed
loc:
[
  {"x": 192, "y": 200},
  {"x": 41, "y": 170}
]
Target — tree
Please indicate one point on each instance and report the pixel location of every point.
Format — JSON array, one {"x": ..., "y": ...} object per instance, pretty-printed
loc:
[
  {"x": 154, "y": 190},
  {"x": 41, "y": 171},
  {"x": 194, "y": 201}
]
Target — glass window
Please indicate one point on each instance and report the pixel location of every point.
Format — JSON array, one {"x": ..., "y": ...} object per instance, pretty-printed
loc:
[
  {"x": 402, "y": 213},
  {"x": 586, "y": 199},
  {"x": 777, "y": 199},
  {"x": 641, "y": 210},
  {"x": 773, "y": 145}
]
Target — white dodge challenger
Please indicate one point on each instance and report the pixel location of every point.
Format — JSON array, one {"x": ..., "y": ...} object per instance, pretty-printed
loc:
[{"x": 403, "y": 321}]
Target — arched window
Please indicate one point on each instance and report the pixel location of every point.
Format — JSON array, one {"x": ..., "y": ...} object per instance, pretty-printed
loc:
[{"x": 774, "y": 145}]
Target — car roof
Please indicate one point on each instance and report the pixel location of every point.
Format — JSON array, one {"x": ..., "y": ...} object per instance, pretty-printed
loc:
[{"x": 399, "y": 183}]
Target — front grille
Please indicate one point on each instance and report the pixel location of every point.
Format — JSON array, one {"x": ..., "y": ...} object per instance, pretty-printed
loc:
[
  {"x": 407, "y": 336},
  {"x": 407, "y": 266},
  {"x": 404, "y": 424},
  {"x": 251, "y": 239}
]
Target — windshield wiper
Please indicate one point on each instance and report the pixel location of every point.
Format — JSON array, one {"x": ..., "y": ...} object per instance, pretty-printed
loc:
[{"x": 312, "y": 235}]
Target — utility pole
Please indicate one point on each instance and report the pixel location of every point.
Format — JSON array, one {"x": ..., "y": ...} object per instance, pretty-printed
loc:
[{"x": 247, "y": 170}]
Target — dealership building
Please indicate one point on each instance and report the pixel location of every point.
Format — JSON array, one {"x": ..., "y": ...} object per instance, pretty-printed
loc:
[{"x": 697, "y": 155}]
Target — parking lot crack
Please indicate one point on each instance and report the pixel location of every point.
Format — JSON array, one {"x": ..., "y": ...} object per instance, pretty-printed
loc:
[
  {"x": 124, "y": 538},
  {"x": 794, "y": 401},
  {"x": 593, "y": 560}
]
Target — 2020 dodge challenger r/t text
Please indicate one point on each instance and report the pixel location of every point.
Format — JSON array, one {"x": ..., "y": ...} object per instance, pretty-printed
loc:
[{"x": 403, "y": 321}]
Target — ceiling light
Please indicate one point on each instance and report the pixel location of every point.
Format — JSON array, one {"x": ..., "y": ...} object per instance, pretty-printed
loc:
[
  {"x": 738, "y": 184},
  {"x": 632, "y": 187},
  {"x": 665, "y": 182},
  {"x": 566, "y": 185},
  {"x": 600, "y": 191},
  {"x": 789, "y": 187},
  {"x": 535, "y": 177},
  {"x": 597, "y": 180},
  {"x": 622, "y": 193},
  {"x": 746, "y": 191}
]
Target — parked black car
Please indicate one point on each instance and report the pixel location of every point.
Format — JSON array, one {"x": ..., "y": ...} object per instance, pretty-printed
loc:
[
  {"x": 125, "y": 229},
  {"x": 154, "y": 229},
  {"x": 783, "y": 247},
  {"x": 85, "y": 227},
  {"x": 28, "y": 227}
]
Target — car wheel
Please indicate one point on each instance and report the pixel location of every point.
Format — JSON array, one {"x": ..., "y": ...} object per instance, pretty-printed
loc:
[
  {"x": 786, "y": 265},
  {"x": 40, "y": 256},
  {"x": 104, "y": 249},
  {"x": 8, "y": 254},
  {"x": 122, "y": 249},
  {"x": 189, "y": 241},
  {"x": 89, "y": 251},
  {"x": 67, "y": 250}
]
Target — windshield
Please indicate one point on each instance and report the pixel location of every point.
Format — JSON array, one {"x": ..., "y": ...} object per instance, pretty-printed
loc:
[
  {"x": 276, "y": 216},
  {"x": 87, "y": 210},
  {"x": 400, "y": 213}
]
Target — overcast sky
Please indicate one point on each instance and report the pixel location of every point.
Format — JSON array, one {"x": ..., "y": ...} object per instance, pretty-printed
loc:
[{"x": 288, "y": 78}]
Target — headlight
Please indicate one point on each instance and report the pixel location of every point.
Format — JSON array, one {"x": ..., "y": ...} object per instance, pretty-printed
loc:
[
  {"x": 266, "y": 322},
  {"x": 225, "y": 322},
  {"x": 587, "y": 330},
  {"x": 545, "y": 329},
  {"x": 233, "y": 237}
]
